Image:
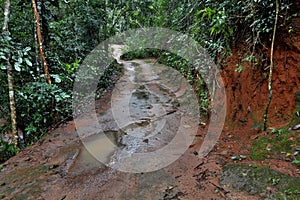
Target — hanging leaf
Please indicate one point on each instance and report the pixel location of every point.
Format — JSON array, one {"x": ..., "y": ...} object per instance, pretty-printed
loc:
[
  {"x": 28, "y": 62},
  {"x": 3, "y": 67},
  {"x": 20, "y": 60},
  {"x": 27, "y": 49},
  {"x": 17, "y": 66},
  {"x": 57, "y": 78}
]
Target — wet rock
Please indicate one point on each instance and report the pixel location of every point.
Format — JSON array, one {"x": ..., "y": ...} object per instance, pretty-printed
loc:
[
  {"x": 146, "y": 141},
  {"x": 257, "y": 180},
  {"x": 295, "y": 127},
  {"x": 234, "y": 158}
]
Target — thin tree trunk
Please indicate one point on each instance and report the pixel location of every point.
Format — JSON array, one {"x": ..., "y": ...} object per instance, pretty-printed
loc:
[
  {"x": 271, "y": 68},
  {"x": 10, "y": 79},
  {"x": 40, "y": 43},
  {"x": 13, "y": 115}
]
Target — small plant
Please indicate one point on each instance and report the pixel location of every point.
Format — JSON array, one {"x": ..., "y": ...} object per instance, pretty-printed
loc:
[
  {"x": 239, "y": 68},
  {"x": 277, "y": 131},
  {"x": 2, "y": 195},
  {"x": 7, "y": 150},
  {"x": 297, "y": 162},
  {"x": 251, "y": 59},
  {"x": 291, "y": 192},
  {"x": 274, "y": 181}
]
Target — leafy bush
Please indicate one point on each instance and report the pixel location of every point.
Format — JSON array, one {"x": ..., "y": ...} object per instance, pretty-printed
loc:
[
  {"x": 40, "y": 105},
  {"x": 7, "y": 150}
]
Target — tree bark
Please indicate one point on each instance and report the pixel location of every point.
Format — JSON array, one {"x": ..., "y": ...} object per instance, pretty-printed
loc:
[
  {"x": 10, "y": 79},
  {"x": 40, "y": 43}
]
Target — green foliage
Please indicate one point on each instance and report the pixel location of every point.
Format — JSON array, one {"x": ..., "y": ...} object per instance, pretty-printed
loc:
[
  {"x": 217, "y": 21},
  {"x": 297, "y": 162},
  {"x": 109, "y": 78},
  {"x": 40, "y": 105},
  {"x": 7, "y": 150},
  {"x": 141, "y": 53},
  {"x": 291, "y": 192},
  {"x": 2, "y": 195},
  {"x": 239, "y": 68}
]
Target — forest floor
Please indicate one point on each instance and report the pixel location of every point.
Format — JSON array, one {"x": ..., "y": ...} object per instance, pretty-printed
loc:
[{"x": 60, "y": 167}]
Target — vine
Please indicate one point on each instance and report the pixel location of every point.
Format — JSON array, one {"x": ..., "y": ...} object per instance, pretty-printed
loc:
[{"x": 271, "y": 68}]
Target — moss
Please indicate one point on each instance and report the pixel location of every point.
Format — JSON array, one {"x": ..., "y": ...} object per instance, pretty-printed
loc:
[
  {"x": 259, "y": 149},
  {"x": 296, "y": 116},
  {"x": 148, "y": 61},
  {"x": 274, "y": 144},
  {"x": 23, "y": 183},
  {"x": 257, "y": 180}
]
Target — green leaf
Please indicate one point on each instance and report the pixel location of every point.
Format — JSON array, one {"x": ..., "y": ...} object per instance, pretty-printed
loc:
[
  {"x": 57, "y": 78},
  {"x": 17, "y": 67},
  {"x": 212, "y": 30},
  {"x": 3, "y": 67},
  {"x": 239, "y": 69},
  {"x": 27, "y": 49},
  {"x": 28, "y": 62},
  {"x": 296, "y": 162}
]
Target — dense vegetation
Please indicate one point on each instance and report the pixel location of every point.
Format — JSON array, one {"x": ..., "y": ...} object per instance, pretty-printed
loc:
[{"x": 71, "y": 29}]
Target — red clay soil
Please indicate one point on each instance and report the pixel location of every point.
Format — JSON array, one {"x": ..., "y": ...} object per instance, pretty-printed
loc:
[
  {"x": 247, "y": 96},
  {"x": 247, "y": 91}
]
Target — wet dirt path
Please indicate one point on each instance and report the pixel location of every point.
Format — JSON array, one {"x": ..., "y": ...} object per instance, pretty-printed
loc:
[{"x": 138, "y": 116}]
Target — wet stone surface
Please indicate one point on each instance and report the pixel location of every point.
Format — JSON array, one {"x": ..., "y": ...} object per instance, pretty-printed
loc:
[
  {"x": 150, "y": 105},
  {"x": 267, "y": 183}
]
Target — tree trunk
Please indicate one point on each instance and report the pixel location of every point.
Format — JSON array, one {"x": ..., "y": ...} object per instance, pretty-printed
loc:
[
  {"x": 10, "y": 79},
  {"x": 40, "y": 43}
]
